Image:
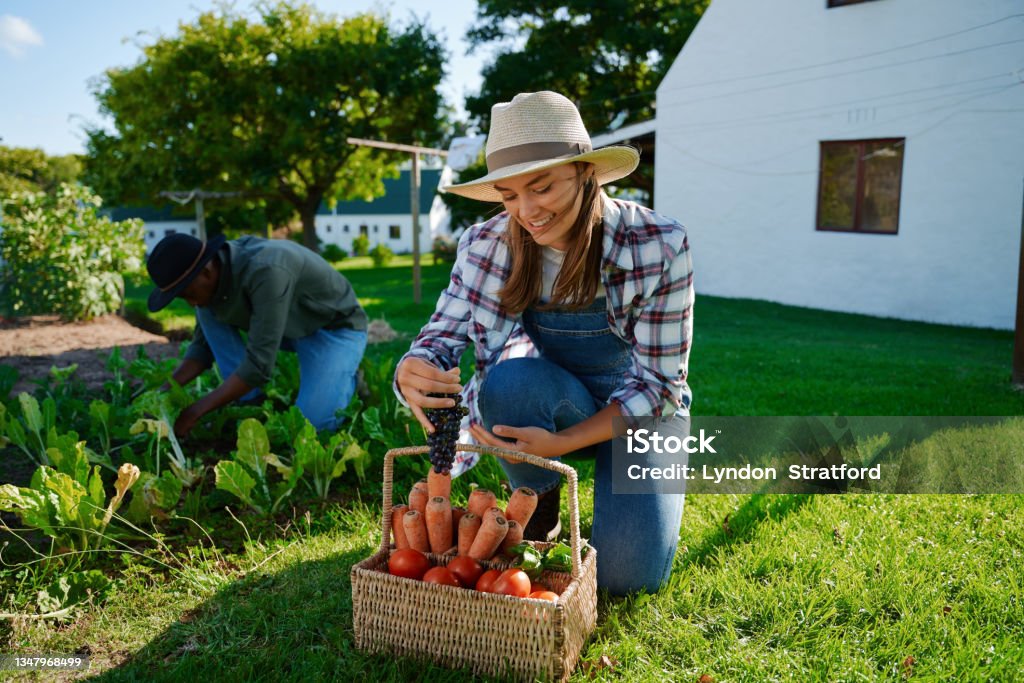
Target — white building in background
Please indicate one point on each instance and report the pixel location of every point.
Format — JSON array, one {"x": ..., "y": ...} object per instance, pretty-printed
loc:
[
  {"x": 851, "y": 155},
  {"x": 157, "y": 222},
  {"x": 388, "y": 219}
]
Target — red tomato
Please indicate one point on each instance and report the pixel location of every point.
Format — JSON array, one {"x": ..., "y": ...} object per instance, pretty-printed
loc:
[
  {"x": 441, "y": 575},
  {"x": 513, "y": 582},
  {"x": 412, "y": 564},
  {"x": 544, "y": 595},
  {"x": 466, "y": 570},
  {"x": 486, "y": 582}
]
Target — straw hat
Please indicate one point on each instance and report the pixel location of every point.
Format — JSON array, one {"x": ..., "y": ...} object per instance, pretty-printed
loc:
[{"x": 537, "y": 131}]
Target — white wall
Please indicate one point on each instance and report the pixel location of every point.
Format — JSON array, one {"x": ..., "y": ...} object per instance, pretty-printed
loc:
[
  {"x": 154, "y": 231},
  {"x": 378, "y": 230},
  {"x": 759, "y": 85}
]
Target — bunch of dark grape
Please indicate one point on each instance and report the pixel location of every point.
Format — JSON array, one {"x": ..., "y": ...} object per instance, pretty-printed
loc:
[{"x": 446, "y": 423}]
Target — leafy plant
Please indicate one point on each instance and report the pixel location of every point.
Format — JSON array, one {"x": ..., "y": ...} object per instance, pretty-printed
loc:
[
  {"x": 29, "y": 434},
  {"x": 154, "y": 496},
  {"x": 381, "y": 255},
  {"x": 8, "y": 378},
  {"x": 333, "y": 253},
  {"x": 164, "y": 407},
  {"x": 68, "y": 508},
  {"x": 361, "y": 245},
  {"x": 246, "y": 475},
  {"x": 326, "y": 463},
  {"x": 60, "y": 256}
]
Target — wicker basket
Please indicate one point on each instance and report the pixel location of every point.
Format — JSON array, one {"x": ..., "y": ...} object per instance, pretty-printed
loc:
[{"x": 490, "y": 634}]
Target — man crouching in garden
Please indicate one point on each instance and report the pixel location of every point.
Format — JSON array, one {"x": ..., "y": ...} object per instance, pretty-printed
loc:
[{"x": 285, "y": 297}]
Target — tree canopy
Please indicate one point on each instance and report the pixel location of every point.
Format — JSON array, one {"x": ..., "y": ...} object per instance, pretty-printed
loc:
[
  {"x": 32, "y": 170},
  {"x": 265, "y": 105},
  {"x": 609, "y": 57}
]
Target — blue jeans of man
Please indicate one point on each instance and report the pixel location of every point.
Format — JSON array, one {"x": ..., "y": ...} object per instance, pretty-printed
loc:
[
  {"x": 582, "y": 362},
  {"x": 328, "y": 361}
]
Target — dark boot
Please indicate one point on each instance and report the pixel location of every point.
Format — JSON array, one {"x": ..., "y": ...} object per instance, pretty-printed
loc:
[{"x": 545, "y": 524}]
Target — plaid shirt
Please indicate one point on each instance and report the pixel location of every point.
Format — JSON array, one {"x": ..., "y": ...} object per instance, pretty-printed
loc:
[{"x": 648, "y": 278}]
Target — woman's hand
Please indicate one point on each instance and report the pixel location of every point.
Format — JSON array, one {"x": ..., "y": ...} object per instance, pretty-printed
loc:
[
  {"x": 416, "y": 378},
  {"x": 532, "y": 440}
]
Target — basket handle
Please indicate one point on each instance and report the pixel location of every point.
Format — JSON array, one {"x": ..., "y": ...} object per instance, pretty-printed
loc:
[{"x": 515, "y": 456}]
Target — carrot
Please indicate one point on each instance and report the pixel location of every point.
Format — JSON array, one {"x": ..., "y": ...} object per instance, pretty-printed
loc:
[
  {"x": 416, "y": 531},
  {"x": 488, "y": 539},
  {"x": 480, "y": 501},
  {"x": 469, "y": 525},
  {"x": 514, "y": 535},
  {"x": 521, "y": 505},
  {"x": 439, "y": 524},
  {"x": 422, "y": 484},
  {"x": 439, "y": 484},
  {"x": 418, "y": 500},
  {"x": 401, "y": 542},
  {"x": 457, "y": 513}
]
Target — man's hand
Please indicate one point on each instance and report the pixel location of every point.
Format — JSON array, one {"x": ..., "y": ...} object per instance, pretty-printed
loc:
[{"x": 187, "y": 420}]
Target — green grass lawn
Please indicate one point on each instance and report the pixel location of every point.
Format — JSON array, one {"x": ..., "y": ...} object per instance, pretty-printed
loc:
[{"x": 801, "y": 588}]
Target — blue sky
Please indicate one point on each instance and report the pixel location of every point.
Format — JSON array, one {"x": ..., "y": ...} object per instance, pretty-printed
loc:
[{"x": 50, "y": 49}]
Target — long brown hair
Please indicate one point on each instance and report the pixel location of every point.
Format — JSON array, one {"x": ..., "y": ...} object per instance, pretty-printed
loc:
[{"x": 577, "y": 281}]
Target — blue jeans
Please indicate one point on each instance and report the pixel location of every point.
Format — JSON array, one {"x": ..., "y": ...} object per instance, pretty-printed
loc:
[
  {"x": 581, "y": 363},
  {"x": 328, "y": 361}
]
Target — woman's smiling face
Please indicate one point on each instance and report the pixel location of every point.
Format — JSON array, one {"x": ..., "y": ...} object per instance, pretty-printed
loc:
[{"x": 545, "y": 203}]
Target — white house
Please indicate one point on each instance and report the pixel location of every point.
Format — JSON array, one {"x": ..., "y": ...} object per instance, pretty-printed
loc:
[
  {"x": 388, "y": 219},
  {"x": 852, "y": 155},
  {"x": 157, "y": 222}
]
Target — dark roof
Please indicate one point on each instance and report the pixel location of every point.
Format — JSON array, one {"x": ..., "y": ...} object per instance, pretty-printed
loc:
[
  {"x": 396, "y": 199},
  {"x": 148, "y": 214}
]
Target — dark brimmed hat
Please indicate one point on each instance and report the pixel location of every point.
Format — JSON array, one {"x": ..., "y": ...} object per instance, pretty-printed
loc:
[{"x": 175, "y": 262}]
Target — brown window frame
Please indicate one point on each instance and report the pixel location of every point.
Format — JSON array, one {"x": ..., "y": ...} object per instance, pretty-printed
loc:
[{"x": 859, "y": 191}]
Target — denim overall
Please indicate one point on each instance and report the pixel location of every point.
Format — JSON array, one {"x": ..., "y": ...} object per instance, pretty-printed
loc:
[{"x": 581, "y": 363}]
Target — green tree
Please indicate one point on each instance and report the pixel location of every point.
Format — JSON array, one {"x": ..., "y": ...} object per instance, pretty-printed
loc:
[
  {"x": 265, "y": 106},
  {"x": 32, "y": 170},
  {"x": 609, "y": 57},
  {"x": 60, "y": 256}
]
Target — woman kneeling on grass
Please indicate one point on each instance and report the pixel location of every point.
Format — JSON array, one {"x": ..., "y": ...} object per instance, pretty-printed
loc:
[{"x": 579, "y": 309}]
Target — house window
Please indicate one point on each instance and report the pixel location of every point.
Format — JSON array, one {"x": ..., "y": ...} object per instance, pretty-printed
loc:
[
  {"x": 376, "y": 229},
  {"x": 169, "y": 231},
  {"x": 344, "y": 228},
  {"x": 395, "y": 232},
  {"x": 859, "y": 185},
  {"x": 152, "y": 234},
  {"x": 364, "y": 230},
  {"x": 840, "y": 3},
  {"x": 193, "y": 231},
  {"x": 328, "y": 228}
]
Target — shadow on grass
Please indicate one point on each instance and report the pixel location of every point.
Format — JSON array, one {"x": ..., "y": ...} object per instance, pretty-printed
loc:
[
  {"x": 740, "y": 526},
  {"x": 294, "y": 625}
]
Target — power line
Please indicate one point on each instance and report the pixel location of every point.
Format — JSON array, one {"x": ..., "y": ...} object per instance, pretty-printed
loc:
[
  {"x": 917, "y": 134},
  {"x": 840, "y": 74},
  {"x": 850, "y": 59},
  {"x": 584, "y": 103},
  {"x": 786, "y": 112}
]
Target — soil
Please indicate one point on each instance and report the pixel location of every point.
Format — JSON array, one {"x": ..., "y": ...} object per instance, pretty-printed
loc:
[{"x": 32, "y": 345}]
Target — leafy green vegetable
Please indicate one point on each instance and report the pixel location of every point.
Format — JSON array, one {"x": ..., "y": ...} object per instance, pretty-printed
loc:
[{"x": 70, "y": 590}]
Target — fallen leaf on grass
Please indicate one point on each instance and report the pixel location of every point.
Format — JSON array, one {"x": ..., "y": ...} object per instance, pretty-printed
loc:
[
  {"x": 603, "y": 662},
  {"x": 908, "y": 667},
  {"x": 706, "y": 678},
  {"x": 725, "y": 526}
]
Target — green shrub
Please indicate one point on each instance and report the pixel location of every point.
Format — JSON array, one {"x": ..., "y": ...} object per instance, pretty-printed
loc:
[
  {"x": 62, "y": 257},
  {"x": 381, "y": 255},
  {"x": 361, "y": 245},
  {"x": 333, "y": 253}
]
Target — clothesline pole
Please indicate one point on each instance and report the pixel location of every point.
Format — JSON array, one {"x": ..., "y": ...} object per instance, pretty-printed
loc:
[{"x": 415, "y": 151}]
